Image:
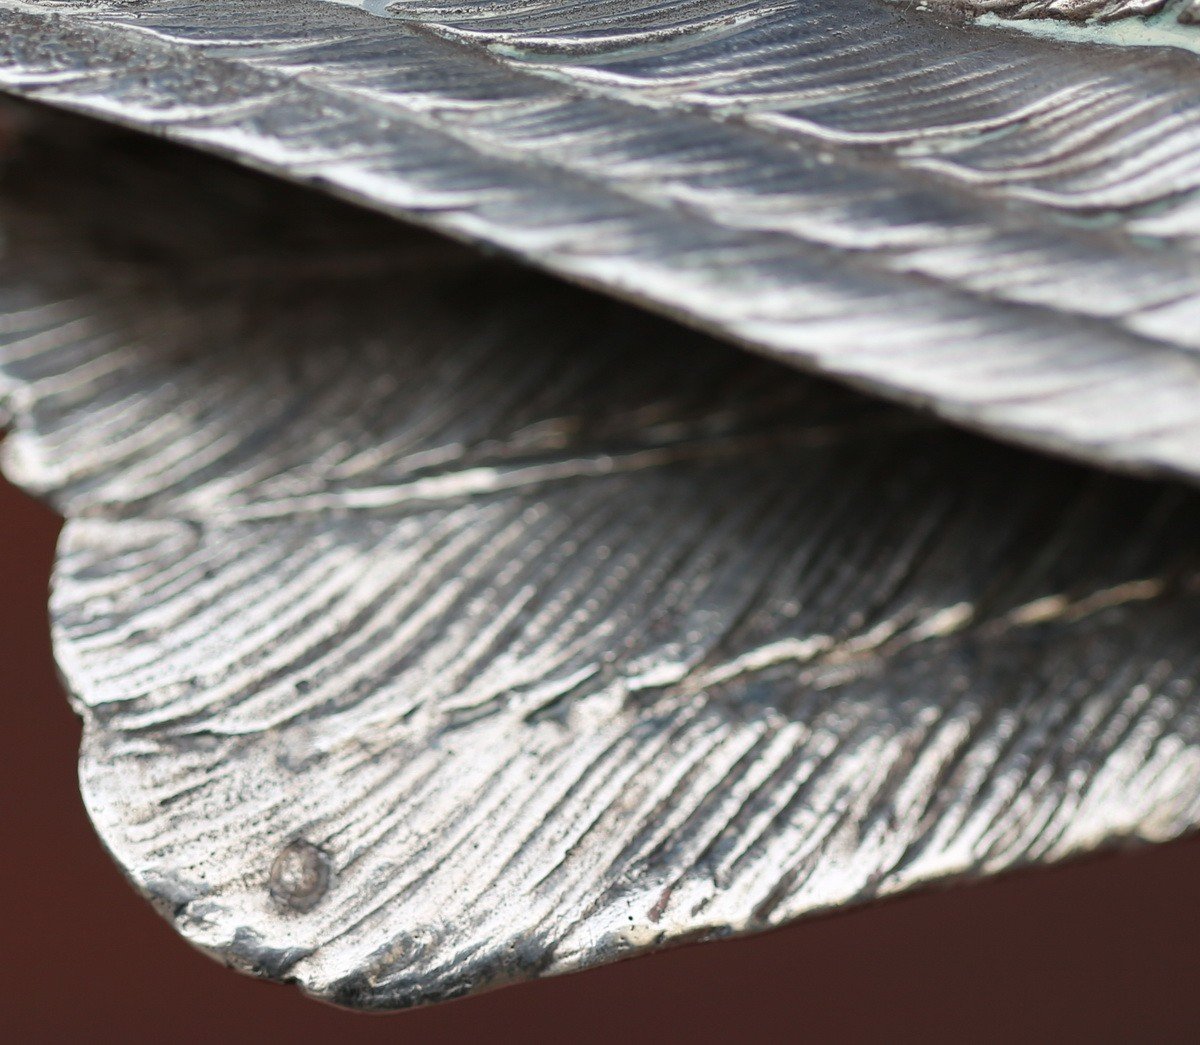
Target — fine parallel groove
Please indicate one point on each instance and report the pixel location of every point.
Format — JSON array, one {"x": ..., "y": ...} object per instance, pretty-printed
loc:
[
  {"x": 537, "y": 726},
  {"x": 996, "y": 225}
]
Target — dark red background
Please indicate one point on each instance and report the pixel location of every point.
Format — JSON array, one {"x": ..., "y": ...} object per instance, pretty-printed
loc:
[{"x": 1102, "y": 950}]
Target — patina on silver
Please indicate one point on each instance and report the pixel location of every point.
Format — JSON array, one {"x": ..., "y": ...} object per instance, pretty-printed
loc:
[{"x": 436, "y": 626}]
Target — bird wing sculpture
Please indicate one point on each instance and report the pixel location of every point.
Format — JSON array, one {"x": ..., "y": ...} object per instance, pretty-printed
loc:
[
  {"x": 958, "y": 212},
  {"x": 437, "y": 625}
]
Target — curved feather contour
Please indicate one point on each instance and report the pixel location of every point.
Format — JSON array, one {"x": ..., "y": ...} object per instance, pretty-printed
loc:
[
  {"x": 1000, "y": 226},
  {"x": 1064, "y": 10},
  {"x": 436, "y": 626}
]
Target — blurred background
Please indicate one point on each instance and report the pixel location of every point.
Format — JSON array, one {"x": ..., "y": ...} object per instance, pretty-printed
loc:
[{"x": 1101, "y": 950}]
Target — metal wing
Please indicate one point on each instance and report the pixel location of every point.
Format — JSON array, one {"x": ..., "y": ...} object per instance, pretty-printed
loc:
[
  {"x": 435, "y": 625},
  {"x": 994, "y": 222}
]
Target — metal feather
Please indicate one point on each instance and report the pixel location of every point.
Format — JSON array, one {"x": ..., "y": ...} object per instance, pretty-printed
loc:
[
  {"x": 995, "y": 223},
  {"x": 435, "y": 625}
]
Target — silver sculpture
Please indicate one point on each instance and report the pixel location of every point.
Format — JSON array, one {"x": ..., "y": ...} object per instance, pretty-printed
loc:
[
  {"x": 994, "y": 224},
  {"x": 437, "y": 625}
]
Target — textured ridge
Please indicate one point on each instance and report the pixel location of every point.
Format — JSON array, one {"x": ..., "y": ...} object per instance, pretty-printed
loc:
[
  {"x": 1066, "y": 10},
  {"x": 432, "y": 632},
  {"x": 998, "y": 226}
]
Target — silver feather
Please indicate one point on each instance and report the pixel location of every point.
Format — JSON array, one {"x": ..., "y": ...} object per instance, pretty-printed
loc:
[
  {"x": 436, "y": 626},
  {"x": 997, "y": 224}
]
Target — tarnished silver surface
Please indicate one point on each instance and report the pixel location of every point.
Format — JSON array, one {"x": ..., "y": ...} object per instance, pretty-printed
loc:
[
  {"x": 999, "y": 224},
  {"x": 435, "y": 625}
]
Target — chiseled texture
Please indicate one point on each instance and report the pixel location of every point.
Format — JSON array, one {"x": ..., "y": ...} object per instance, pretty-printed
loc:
[
  {"x": 1000, "y": 226},
  {"x": 1066, "y": 10},
  {"x": 435, "y": 625}
]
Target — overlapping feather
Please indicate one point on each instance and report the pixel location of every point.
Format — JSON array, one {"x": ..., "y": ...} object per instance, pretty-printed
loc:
[
  {"x": 997, "y": 225},
  {"x": 435, "y": 625}
]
